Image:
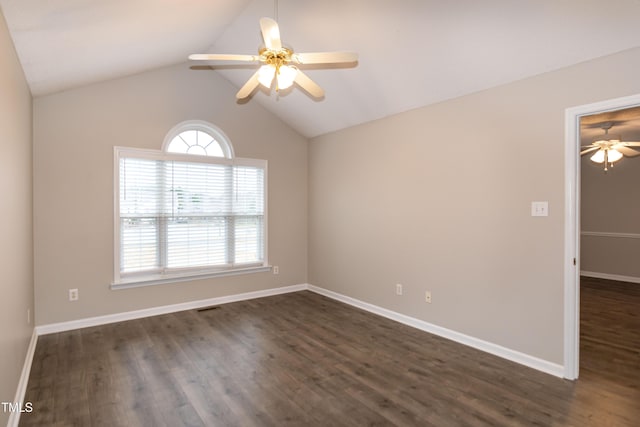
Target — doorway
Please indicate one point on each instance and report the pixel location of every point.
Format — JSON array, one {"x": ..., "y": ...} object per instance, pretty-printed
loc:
[{"x": 573, "y": 116}]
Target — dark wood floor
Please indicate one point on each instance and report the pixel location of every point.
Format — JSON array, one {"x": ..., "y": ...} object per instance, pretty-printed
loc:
[{"x": 302, "y": 359}]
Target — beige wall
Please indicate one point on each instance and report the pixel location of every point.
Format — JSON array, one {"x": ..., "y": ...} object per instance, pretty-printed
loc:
[
  {"x": 16, "y": 238},
  {"x": 74, "y": 136},
  {"x": 438, "y": 199},
  {"x": 610, "y": 203}
]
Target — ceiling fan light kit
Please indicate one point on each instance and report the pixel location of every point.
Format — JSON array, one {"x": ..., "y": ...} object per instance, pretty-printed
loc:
[
  {"x": 609, "y": 148},
  {"x": 611, "y": 155},
  {"x": 279, "y": 63},
  {"x": 275, "y": 65}
]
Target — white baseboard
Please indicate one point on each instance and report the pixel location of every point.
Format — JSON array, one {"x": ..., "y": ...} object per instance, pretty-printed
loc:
[
  {"x": 497, "y": 350},
  {"x": 618, "y": 277},
  {"x": 154, "y": 311},
  {"x": 14, "y": 416}
]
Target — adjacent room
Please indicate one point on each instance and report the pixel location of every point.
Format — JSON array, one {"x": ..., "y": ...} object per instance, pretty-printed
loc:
[{"x": 258, "y": 212}]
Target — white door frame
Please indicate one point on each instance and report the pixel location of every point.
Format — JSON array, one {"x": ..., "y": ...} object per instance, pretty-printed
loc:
[{"x": 572, "y": 225}]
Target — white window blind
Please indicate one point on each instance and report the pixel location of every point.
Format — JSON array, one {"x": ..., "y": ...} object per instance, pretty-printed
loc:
[{"x": 177, "y": 216}]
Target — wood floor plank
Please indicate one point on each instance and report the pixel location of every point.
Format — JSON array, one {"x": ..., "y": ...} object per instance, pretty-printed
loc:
[{"x": 301, "y": 359}]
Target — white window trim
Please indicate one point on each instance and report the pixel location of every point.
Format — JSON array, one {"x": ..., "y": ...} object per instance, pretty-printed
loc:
[{"x": 134, "y": 280}]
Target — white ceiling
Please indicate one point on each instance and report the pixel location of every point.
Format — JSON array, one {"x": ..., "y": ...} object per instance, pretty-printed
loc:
[{"x": 412, "y": 52}]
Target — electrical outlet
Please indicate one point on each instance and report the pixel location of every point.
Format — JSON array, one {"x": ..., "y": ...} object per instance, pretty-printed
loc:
[
  {"x": 398, "y": 289},
  {"x": 28, "y": 316},
  {"x": 276, "y": 269},
  {"x": 73, "y": 295},
  {"x": 427, "y": 297}
]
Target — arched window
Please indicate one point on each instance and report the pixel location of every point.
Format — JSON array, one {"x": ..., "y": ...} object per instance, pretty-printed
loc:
[
  {"x": 199, "y": 138},
  {"x": 190, "y": 211}
]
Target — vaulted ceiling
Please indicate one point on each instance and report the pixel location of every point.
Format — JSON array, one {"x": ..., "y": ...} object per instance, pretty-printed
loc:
[{"x": 411, "y": 52}]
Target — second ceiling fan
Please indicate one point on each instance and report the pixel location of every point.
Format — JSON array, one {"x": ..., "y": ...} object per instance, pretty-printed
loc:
[
  {"x": 280, "y": 64},
  {"x": 610, "y": 148}
]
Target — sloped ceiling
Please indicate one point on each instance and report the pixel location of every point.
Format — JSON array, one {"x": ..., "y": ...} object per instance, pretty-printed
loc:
[{"x": 412, "y": 52}]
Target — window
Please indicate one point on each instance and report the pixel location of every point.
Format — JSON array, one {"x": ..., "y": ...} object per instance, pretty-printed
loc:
[
  {"x": 198, "y": 138},
  {"x": 189, "y": 211}
]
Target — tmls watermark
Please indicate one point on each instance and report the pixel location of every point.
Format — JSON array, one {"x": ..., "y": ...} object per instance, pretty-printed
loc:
[{"x": 27, "y": 407}]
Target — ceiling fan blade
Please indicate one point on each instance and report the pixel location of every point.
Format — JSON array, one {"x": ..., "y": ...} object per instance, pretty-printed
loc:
[
  {"x": 223, "y": 57},
  {"x": 629, "y": 152},
  {"x": 325, "y": 57},
  {"x": 309, "y": 85},
  {"x": 249, "y": 86},
  {"x": 631, "y": 143},
  {"x": 270, "y": 33},
  {"x": 588, "y": 150}
]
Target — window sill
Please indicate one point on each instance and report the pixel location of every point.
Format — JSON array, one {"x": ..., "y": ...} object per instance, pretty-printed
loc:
[{"x": 157, "y": 279}]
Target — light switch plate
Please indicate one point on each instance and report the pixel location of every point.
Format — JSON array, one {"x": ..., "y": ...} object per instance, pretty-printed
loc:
[{"x": 539, "y": 208}]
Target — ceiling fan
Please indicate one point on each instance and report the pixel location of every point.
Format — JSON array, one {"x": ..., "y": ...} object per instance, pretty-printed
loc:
[
  {"x": 280, "y": 64},
  {"x": 610, "y": 148}
]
